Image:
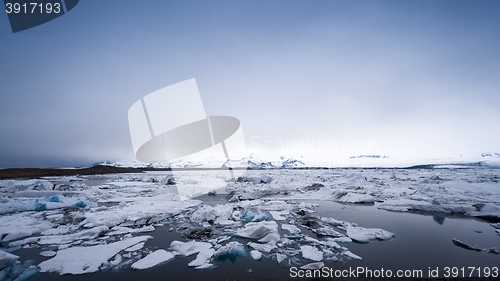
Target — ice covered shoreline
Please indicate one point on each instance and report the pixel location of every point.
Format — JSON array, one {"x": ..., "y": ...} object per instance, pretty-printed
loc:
[{"x": 65, "y": 216}]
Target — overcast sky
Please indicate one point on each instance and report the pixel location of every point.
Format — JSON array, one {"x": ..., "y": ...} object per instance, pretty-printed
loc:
[{"x": 398, "y": 78}]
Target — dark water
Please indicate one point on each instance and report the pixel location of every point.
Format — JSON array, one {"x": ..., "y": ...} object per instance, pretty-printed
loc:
[{"x": 421, "y": 241}]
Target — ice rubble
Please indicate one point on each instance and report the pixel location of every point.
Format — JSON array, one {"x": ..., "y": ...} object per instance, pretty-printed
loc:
[{"x": 153, "y": 259}]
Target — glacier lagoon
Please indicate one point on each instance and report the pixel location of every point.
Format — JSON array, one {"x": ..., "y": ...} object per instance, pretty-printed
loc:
[{"x": 427, "y": 209}]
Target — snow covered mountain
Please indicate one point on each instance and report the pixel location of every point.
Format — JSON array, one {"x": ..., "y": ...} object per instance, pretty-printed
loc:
[{"x": 254, "y": 161}]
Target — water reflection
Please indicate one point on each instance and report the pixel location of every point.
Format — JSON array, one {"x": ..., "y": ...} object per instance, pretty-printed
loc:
[{"x": 439, "y": 219}]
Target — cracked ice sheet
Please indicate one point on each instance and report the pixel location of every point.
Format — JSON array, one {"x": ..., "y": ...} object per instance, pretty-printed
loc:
[{"x": 81, "y": 260}]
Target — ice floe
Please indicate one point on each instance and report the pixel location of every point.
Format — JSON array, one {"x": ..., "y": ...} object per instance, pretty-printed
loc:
[
  {"x": 311, "y": 252},
  {"x": 81, "y": 260},
  {"x": 152, "y": 259},
  {"x": 256, "y": 255},
  {"x": 361, "y": 234}
]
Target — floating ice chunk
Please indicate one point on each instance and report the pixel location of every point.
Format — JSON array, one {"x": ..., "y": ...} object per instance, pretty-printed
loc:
[
  {"x": 7, "y": 259},
  {"x": 116, "y": 261},
  {"x": 153, "y": 259},
  {"x": 332, "y": 243},
  {"x": 314, "y": 265},
  {"x": 274, "y": 205},
  {"x": 232, "y": 250},
  {"x": 404, "y": 205},
  {"x": 364, "y": 235},
  {"x": 189, "y": 248},
  {"x": 81, "y": 260},
  {"x": 61, "y": 229},
  {"x": 291, "y": 228},
  {"x": 266, "y": 248},
  {"x": 280, "y": 257},
  {"x": 351, "y": 255},
  {"x": 313, "y": 240},
  {"x": 265, "y": 231},
  {"x": 465, "y": 245},
  {"x": 350, "y": 197},
  {"x": 136, "y": 247},
  {"x": 205, "y": 266},
  {"x": 496, "y": 225},
  {"x": 312, "y": 253},
  {"x": 342, "y": 239},
  {"x": 330, "y": 255},
  {"x": 117, "y": 230},
  {"x": 249, "y": 216},
  {"x": 486, "y": 211},
  {"x": 48, "y": 253},
  {"x": 204, "y": 213},
  {"x": 203, "y": 257},
  {"x": 256, "y": 255},
  {"x": 279, "y": 215},
  {"x": 337, "y": 223},
  {"x": 223, "y": 214}
]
